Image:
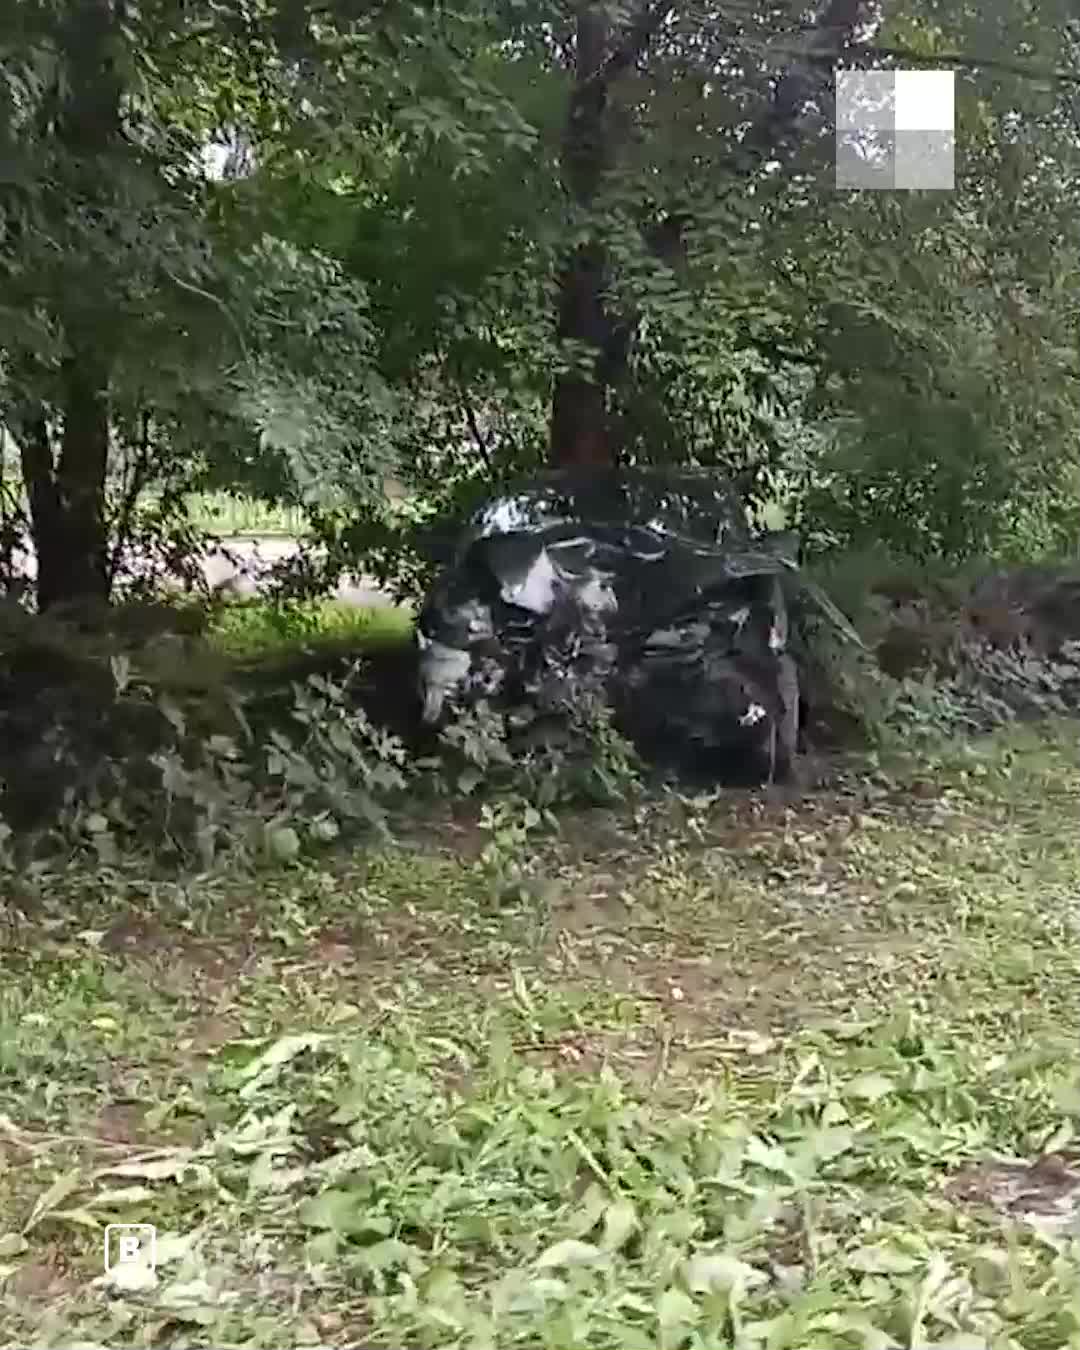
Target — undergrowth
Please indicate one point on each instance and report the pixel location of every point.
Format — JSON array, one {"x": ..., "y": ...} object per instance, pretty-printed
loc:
[
  {"x": 726, "y": 1076},
  {"x": 265, "y": 730}
]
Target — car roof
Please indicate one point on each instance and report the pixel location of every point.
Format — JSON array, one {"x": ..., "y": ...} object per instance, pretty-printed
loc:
[{"x": 698, "y": 505}]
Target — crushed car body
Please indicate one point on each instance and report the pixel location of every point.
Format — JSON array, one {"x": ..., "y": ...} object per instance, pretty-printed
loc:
[{"x": 647, "y": 586}]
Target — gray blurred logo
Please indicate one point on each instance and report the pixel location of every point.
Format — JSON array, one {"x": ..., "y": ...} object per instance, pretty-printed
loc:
[{"x": 895, "y": 130}]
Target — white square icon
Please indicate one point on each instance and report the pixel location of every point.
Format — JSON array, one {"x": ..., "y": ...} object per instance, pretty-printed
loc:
[
  {"x": 925, "y": 100},
  {"x": 129, "y": 1246}
]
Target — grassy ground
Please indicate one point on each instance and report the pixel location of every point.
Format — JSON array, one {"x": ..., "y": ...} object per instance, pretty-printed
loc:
[
  {"x": 257, "y": 630},
  {"x": 714, "y": 1075},
  {"x": 219, "y": 513},
  {"x": 222, "y": 513}
]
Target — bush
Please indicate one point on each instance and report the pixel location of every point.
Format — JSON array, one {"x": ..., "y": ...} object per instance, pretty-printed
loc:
[
  {"x": 953, "y": 650},
  {"x": 112, "y": 745},
  {"x": 123, "y": 735}
]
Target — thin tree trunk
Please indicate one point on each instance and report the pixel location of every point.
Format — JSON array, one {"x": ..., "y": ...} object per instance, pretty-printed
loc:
[
  {"x": 31, "y": 432},
  {"x": 82, "y": 572}
]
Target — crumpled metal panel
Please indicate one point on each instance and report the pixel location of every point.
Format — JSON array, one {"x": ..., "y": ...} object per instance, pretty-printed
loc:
[{"x": 646, "y": 585}]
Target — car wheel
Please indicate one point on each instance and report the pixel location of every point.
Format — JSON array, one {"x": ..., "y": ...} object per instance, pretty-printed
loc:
[{"x": 787, "y": 723}]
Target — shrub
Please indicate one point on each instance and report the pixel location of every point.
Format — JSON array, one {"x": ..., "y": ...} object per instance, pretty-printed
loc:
[{"x": 111, "y": 746}]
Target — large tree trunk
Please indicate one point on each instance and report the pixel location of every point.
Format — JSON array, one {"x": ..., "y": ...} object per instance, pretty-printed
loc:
[
  {"x": 65, "y": 472},
  {"x": 579, "y": 431},
  {"x": 579, "y": 426},
  {"x": 66, "y": 492},
  {"x": 598, "y": 339}
]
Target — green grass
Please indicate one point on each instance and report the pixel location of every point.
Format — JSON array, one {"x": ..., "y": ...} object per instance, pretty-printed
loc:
[
  {"x": 227, "y": 514},
  {"x": 700, "y": 1083},
  {"x": 255, "y": 630},
  {"x": 222, "y": 513}
]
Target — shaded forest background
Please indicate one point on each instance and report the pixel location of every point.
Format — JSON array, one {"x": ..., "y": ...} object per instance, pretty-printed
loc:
[{"x": 363, "y": 263}]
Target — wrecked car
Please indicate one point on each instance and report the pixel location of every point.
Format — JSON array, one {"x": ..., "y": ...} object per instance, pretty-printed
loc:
[{"x": 647, "y": 585}]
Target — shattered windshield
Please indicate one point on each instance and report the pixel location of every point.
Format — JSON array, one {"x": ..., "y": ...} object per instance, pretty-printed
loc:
[{"x": 698, "y": 507}]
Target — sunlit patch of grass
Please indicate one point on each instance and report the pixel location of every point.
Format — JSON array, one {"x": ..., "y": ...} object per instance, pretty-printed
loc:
[
  {"x": 225, "y": 514},
  {"x": 703, "y": 1088},
  {"x": 252, "y": 629}
]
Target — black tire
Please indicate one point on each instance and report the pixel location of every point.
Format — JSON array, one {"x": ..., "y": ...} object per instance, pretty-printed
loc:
[{"x": 786, "y": 756}]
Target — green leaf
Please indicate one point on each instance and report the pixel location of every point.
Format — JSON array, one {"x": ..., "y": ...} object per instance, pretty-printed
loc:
[
  {"x": 346, "y": 1213},
  {"x": 54, "y": 1196},
  {"x": 883, "y": 1259},
  {"x": 675, "y": 1309},
  {"x": 870, "y": 1087},
  {"x": 266, "y": 1066},
  {"x": 570, "y": 1252},
  {"x": 620, "y": 1223}
]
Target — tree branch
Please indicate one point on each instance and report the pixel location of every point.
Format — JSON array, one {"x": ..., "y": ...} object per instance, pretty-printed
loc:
[
  {"x": 829, "y": 39},
  {"x": 647, "y": 23},
  {"x": 474, "y": 427},
  {"x": 1045, "y": 74}
]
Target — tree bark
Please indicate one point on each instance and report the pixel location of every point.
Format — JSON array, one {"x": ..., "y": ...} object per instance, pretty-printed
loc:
[
  {"x": 66, "y": 492},
  {"x": 579, "y": 431},
  {"x": 82, "y": 570},
  {"x": 65, "y": 475},
  {"x": 598, "y": 339}
]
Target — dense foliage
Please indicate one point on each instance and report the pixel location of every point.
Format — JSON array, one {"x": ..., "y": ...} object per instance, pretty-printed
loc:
[{"x": 291, "y": 249}]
